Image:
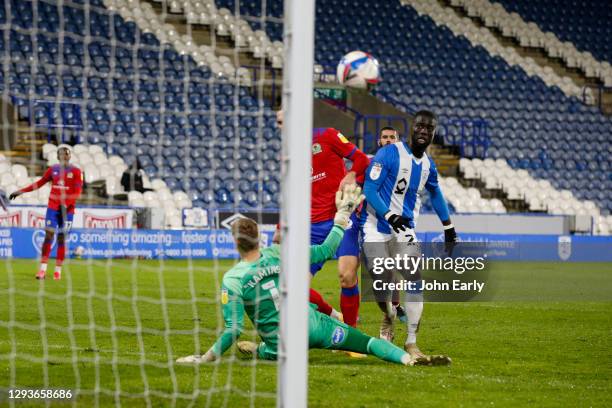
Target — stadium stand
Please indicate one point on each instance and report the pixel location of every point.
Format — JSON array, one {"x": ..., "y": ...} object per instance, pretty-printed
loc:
[
  {"x": 251, "y": 11},
  {"x": 481, "y": 36},
  {"x": 149, "y": 22},
  {"x": 583, "y": 23},
  {"x": 169, "y": 125},
  {"x": 244, "y": 34},
  {"x": 469, "y": 200},
  {"x": 531, "y": 125},
  {"x": 130, "y": 112},
  {"x": 587, "y": 31}
]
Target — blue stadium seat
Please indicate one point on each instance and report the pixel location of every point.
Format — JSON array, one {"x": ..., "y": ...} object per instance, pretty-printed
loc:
[
  {"x": 584, "y": 23},
  {"x": 531, "y": 124}
]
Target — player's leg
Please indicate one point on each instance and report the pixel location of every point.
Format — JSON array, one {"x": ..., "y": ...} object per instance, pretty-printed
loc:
[
  {"x": 51, "y": 223},
  {"x": 413, "y": 303},
  {"x": 64, "y": 228},
  {"x": 348, "y": 263},
  {"x": 318, "y": 233},
  {"x": 45, "y": 251},
  {"x": 328, "y": 333},
  {"x": 414, "y": 310},
  {"x": 324, "y": 307},
  {"x": 61, "y": 254},
  {"x": 349, "y": 288},
  {"x": 374, "y": 249}
]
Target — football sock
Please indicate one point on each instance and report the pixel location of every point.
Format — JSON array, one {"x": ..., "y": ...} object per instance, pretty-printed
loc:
[
  {"x": 414, "y": 310},
  {"x": 349, "y": 304},
  {"x": 43, "y": 267},
  {"x": 61, "y": 254},
  {"x": 387, "y": 351},
  {"x": 317, "y": 299},
  {"x": 46, "y": 250}
]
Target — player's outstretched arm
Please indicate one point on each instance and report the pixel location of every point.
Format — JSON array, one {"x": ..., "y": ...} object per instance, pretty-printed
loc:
[
  {"x": 34, "y": 186},
  {"x": 233, "y": 314},
  {"x": 348, "y": 198}
]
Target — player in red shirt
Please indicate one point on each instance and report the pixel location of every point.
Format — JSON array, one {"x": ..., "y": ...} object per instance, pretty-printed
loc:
[
  {"x": 329, "y": 149},
  {"x": 66, "y": 185}
]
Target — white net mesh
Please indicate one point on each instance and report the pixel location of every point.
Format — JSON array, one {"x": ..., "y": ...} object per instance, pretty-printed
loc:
[{"x": 179, "y": 96}]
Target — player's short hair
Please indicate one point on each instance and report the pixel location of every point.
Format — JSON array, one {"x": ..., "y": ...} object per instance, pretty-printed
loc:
[
  {"x": 387, "y": 128},
  {"x": 64, "y": 146},
  {"x": 246, "y": 234},
  {"x": 426, "y": 113}
]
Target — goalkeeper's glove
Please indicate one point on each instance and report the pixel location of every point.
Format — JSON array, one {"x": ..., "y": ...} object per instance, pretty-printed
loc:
[
  {"x": 450, "y": 238},
  {"x": 398, "y": 223},
  {"x": 348, "y": 199},
  {"x": 15, "y": 194}
]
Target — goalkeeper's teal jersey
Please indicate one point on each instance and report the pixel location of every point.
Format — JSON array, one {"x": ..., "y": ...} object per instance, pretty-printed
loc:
[{"x": 252, "y": 287}]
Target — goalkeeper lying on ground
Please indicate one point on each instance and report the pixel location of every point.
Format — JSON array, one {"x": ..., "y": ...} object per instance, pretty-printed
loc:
[{"x": 252, "y": 287}]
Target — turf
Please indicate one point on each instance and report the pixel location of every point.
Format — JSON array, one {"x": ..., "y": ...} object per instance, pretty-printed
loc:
[{"x": 103, "y": 328}]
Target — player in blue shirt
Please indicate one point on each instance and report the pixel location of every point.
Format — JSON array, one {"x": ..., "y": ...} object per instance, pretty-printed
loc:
[{"x": 395, "y": 180}]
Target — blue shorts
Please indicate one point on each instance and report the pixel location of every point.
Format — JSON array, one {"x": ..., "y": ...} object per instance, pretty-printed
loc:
[
  {"x": 55, "y": 220},
  {"x": 348, "y": 246}
]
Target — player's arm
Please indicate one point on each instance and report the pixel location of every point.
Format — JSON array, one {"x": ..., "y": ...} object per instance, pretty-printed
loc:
[
  {"x": 326, "y": 250},
  {"x": 233, "y": 314},
  {"x": 34, "y": 186},
  {"x": 438, "y": 202},
  {"x": 77, "y": 186},
  {"x": 345, "y": 149},
  {"x": 375, "y": 175},
  {"x": 348, "y": 198},
  {"x": 360, "y": 164}
]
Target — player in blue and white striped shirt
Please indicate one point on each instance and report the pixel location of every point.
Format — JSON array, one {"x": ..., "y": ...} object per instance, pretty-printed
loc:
[{"x": 395, "y": 181}]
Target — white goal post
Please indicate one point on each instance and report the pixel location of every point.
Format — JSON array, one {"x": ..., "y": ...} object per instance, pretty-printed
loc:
[{"x": 295, "y": 205}]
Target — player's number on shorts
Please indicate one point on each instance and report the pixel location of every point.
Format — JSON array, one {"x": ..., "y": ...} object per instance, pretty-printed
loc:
[{"x": 270, "y": 286}]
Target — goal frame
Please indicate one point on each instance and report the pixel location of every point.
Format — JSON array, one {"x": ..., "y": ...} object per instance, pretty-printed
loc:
[{"x": 292, "y": 380}]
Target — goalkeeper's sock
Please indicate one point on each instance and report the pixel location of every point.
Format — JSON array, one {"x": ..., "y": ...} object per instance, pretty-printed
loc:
[
  {"x": 414, "y": 310},
  {"x": 322, "y": 305},
  {"x": 349, "y": 304},
  {"x": 387, "y": 351}
]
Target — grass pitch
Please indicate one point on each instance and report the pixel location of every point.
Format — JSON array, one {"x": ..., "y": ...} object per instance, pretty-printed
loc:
[{"x": 112, "y": 330}]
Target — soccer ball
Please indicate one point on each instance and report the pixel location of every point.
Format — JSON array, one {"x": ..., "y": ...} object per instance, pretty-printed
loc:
[
  {"x": 358, "y": 69},
  {"x": 79, "y": 251}
]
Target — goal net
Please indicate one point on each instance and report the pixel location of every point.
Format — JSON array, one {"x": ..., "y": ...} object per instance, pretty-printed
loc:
[{"x": 169, "y": 109}]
